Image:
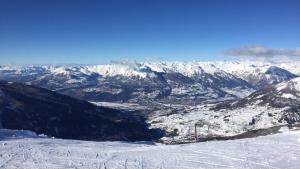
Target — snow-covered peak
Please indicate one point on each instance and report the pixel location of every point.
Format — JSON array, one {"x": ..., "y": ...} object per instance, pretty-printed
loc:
[
  {"x": 185, "y": 68},
  {"x": 59, "y": 70},
  {"x": 252, "y": 72},
  {"x": 117, "y": 69},
  {"x": 189, "y": 68},
  {"x": 242, "y": 68},
  {"x": 277, "y": 71}
]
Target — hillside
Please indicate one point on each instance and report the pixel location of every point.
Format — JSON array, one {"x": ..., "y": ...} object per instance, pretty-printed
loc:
[
  {"x": 275, "y": 105},
  {"x": 46, "y": 112}
]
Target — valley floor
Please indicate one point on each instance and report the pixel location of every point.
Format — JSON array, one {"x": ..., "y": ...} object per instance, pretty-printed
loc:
[{"x": 266, "y": 152}]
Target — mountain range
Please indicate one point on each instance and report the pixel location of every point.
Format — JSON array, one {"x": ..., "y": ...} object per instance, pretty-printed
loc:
[
  {"x": 234, "y": 97},
  {"x": 164, "y": 82}
]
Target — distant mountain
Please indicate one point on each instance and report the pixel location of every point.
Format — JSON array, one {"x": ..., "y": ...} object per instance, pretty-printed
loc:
[
  {"x": 272, "y": 75},
  {"x": 163, "y": 82},
  {"x": 285, "y": 94},
  {"x": 46, "y": 112}
]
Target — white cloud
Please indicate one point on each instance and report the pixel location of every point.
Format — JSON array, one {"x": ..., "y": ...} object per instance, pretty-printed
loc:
[{"x": 260, "y": 51}]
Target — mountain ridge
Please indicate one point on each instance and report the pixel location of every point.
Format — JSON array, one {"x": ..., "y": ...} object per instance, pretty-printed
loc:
[{"x": 164, "y": 82}]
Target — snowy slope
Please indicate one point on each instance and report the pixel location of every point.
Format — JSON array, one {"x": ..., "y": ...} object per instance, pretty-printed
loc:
[
  {"x": 179, "y": 123},
  {"x": 285, "y": 94},
  {"x": 272, "y": 106},
  {"x": 280, "y": 151},
  {"x": 291, "y": 86}
]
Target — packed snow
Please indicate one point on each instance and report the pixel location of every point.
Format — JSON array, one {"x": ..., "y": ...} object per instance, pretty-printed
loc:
[{"x": 279, "y": 151}]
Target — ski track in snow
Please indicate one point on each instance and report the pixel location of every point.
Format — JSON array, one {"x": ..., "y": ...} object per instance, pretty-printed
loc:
[{"x": 280, "y": 151}]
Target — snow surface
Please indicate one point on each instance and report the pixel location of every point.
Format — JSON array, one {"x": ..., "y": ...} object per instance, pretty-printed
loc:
[
  {"x": 293, "y": 84},
  {"x": 239, "y": 92},
  {"x": 126, "y": 106},
  {"x": 134, "y": 70},
  {"x": 279, "y": 151},
  {"x": 223, "y": 123},
  {"x": 288, "y": 96}
]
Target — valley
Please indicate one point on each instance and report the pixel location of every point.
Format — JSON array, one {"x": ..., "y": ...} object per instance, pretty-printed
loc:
[{"x": 227, "y": 98}]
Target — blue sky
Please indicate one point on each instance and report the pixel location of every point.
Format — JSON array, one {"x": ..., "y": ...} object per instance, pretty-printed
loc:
[{"x": 87, "y": 31}]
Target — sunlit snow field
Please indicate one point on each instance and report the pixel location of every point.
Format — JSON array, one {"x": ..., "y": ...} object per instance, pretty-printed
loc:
[{"x": 266, "y": 152}]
